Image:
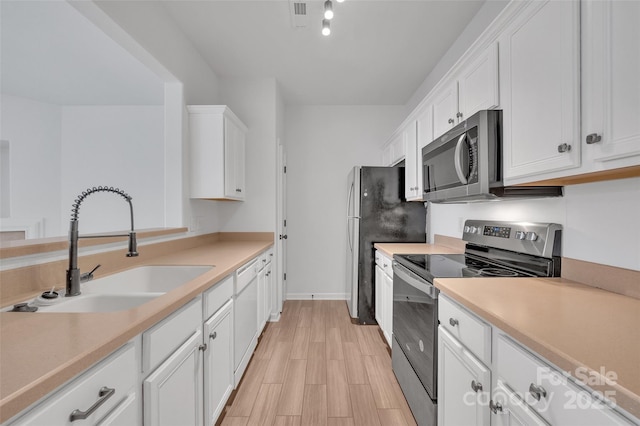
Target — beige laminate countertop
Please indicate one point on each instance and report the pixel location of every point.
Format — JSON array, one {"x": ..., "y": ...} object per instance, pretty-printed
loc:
[
  {"x": 415, "y": 248},
  {"x": 41, "y": 351},
  {"x": 570, "y": 324}
]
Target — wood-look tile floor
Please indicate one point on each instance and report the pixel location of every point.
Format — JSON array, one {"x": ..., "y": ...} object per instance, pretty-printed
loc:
[{"x": 314, "y": 367}]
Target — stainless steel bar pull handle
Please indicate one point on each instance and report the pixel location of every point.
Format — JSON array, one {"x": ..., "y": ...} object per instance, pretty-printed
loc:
[
  {"x": 104, "y": 394},
  {"x": 537, "y": 391},
  {"x": 476, "y": 386}
]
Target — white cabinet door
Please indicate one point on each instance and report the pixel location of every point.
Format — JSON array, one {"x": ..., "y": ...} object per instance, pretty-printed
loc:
[
  {"x": 245, "y": 320},
  {"x": 218, "y": 362},
  {"x": 611, "y": 69},
  {"x": 411, "y": 164},
  {"x": 478, "y": 83},
  {"x": 397, "y": 148},
  {"x": 217, "y": 145},
  {"x": 270, "y": 289},
  {"x": 540, "y": 90},
  {"x": 445, "y": 109},
  {"x": 379, "y": 298},
  {"x": 509, "y": 410},
  {"x": 463, "y": 384},
  {"x": 387, "y": 314},
  {"x": 234, "y": 145},
  {"x": 262, "y": 294},
  {"x": 172, "y": 394}
]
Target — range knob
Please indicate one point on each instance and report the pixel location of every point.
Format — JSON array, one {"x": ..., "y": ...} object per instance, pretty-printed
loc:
[
  {"x": 520, "y": 235},
  {"x": 531, "y": 236},
  {"x": 473, "y": 229},
  {"x": 467, "y": 228}
]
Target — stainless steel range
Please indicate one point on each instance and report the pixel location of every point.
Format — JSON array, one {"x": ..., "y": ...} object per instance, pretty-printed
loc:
[{"x": 494, "y": 249}]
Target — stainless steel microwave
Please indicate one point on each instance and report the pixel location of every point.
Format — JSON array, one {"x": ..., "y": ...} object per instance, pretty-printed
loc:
[{"x": 465, "y": 164}]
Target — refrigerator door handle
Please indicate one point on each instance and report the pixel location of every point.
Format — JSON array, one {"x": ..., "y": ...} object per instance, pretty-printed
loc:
[{"x": 349, "y": 217}]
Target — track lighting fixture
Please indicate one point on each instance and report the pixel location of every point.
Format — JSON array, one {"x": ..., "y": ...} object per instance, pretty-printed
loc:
[
  {"x": 326, "y": 28},
  {"x": 328, "y": 10}
]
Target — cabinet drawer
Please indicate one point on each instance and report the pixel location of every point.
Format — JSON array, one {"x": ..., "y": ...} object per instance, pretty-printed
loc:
[
  {"x": 378, "y": 258},
  {"x": 164, "y": 338},
  {"x": 217, "y": 296},
  {"x": 269, "y": 255},
  {"x": 117, "y": 372},
  {"x": 245, "y": 274},
  {"x": 551, "y": 394},
  {"x": 472, "y": 332},
  {"x": 385, "y": 263}
]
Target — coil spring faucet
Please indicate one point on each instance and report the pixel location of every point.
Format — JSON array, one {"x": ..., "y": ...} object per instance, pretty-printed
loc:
[{"x": 74, "y": 278}]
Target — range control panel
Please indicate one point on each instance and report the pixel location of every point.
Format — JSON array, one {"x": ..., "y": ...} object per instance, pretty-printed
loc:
[{"x": 524, "y": 237}]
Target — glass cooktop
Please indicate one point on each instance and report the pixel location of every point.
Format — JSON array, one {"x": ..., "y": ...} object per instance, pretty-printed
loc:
[{"x": 430, "y": 266}]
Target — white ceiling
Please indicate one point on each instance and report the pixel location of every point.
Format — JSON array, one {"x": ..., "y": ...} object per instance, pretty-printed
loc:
[
  {"x": 53, "y": 54},
  {"x": 378, "y": 53}
]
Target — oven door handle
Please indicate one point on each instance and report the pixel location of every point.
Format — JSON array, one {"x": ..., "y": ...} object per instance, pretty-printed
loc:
[
  {"x": 457, "y": 161},
  {"x": 414, "y": 281}
]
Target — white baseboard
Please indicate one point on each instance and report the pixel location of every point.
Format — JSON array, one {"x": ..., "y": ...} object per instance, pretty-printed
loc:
[
  {"x": 317, "y": 296},
  {"x": 274, "y": 317}
]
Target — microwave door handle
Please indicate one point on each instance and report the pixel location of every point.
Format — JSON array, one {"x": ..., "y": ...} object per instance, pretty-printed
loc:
[{"x": 456, "y": 160}]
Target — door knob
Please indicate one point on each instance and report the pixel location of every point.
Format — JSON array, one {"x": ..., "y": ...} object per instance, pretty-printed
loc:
[{"x": 564, "y": 147}]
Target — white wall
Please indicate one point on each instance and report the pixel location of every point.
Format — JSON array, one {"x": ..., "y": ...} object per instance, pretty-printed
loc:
[
  {"x": 254, "y": 102},
  {"x": 599, "y": 220},
  {"x": 118, "y": 146},
  {"x": 323, "y": 143},
  {"x": 154, "y": 30},
  {"x": 33, "y": 130}
]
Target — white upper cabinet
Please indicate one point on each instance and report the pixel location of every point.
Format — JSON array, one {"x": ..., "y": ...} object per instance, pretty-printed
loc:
[
  {"x": 445, "y": 109},
  {"x": 412, "y": 184},
  {"x": 217, "y": 145},
  {"x": 478, "y": 84},
  {"x": 474, "y": 88},
  {"x": 540, "y": 89},
  {"x": 611, "y": 83}
]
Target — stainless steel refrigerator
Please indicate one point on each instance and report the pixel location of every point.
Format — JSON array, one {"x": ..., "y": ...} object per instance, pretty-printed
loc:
[{"x": 376, "y": 213}]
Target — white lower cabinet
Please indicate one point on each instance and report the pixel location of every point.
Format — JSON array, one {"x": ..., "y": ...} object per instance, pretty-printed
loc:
[
  {"x": 245, "y": 317},
  {"x": 92, "y": 397},
  {"x": 509, "y": 410},
  {"x": 464, "y": 384},
  {"x": 181, "y": 371},
  {"x": 127, "y": 413},
  {"x": 218, "y": 362},
  {"x": 384, "y": 295},
  {"x": 173, "y": 392},
  {"x": 511, "y": 385}
]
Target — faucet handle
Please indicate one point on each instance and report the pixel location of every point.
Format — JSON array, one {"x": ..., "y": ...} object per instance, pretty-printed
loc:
[{"x": 88, "y": 276}]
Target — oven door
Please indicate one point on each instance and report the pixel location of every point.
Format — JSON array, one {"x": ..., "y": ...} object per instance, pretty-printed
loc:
[{"x": 415, "y": 324}]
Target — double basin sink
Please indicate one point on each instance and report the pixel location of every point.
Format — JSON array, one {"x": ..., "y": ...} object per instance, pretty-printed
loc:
[{"x": 124, "y": 290}]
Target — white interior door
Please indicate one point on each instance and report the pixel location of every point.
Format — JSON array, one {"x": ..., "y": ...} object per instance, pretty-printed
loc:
[{"x": 281, "y": 243}]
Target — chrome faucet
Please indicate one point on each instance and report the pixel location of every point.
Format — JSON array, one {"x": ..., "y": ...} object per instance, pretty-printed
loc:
[{"x": 74, "y": 278}]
